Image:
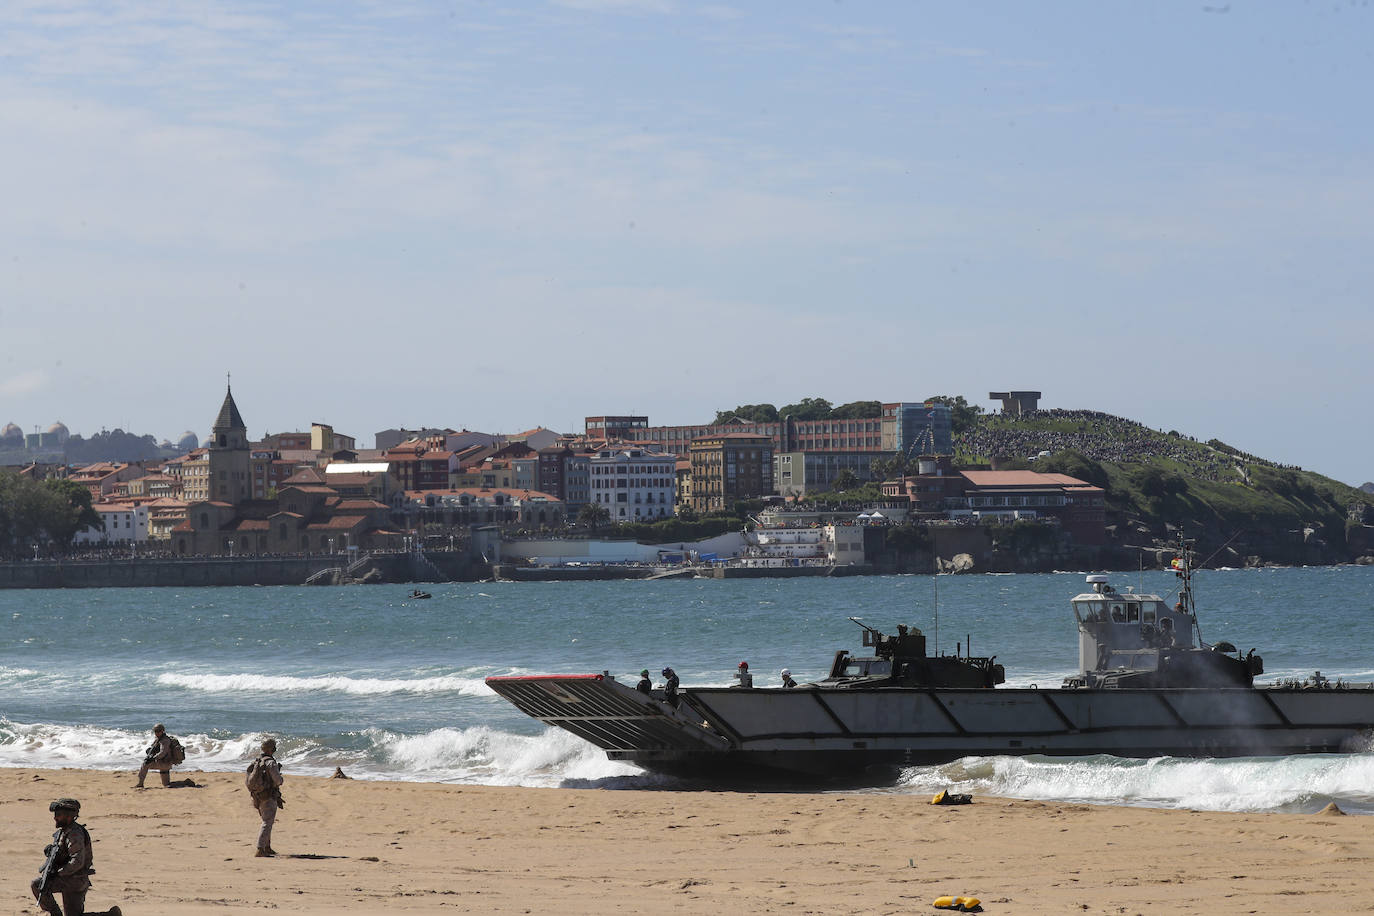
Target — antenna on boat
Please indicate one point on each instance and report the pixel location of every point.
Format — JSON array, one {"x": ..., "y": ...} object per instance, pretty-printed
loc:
[
  {"x": 935, "y": 587},
  {"x": 1183, "y": 568}
]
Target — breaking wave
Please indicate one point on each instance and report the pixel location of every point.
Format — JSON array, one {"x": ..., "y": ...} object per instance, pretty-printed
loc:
[
  {"x": 233, "y": 683},
  {"x": 1298, "y": 784}
]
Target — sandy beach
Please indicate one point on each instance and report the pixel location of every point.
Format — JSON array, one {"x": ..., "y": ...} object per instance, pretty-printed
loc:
[{"x": 349, "y": 846}]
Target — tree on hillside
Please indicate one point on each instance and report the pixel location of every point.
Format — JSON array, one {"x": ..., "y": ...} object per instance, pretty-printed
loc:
[
  {"x": 808, "y": 409},
  {"x": 1074, "y": 465},
  {"x": 962, "y": 414},
  {"x": 116, "y": 445},
  {"x": 754, "y": 413},
  {"x": 857, "y": 410}
]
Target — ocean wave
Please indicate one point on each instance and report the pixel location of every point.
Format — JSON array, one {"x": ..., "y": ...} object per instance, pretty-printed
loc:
[
  {"x": 492, "y": 757},
  {"x": 235, "y": 683},
  {"x": 1300, "y": 783},
  {"x": 46, "y": 746},
  {"x": 480, "y": 755}
]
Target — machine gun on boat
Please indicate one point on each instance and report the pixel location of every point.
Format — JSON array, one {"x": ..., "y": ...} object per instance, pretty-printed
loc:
[{"x": 901, "y": 661}]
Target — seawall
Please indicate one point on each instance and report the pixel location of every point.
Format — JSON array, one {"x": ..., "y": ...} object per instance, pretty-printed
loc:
[{"x": 139, "y": 572}]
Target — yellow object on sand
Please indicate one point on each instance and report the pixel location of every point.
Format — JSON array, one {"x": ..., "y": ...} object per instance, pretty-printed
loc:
[
  {"x": 939, "y": 799},
  {"x": 963, "y": 904}
]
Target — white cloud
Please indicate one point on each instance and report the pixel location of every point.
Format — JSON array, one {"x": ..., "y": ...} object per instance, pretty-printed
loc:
[{"x": 25, "y": 383}]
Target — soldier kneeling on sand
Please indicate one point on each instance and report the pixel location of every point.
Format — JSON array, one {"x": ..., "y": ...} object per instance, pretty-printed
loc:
[
  {"x": 158, "y": 757},
  {"x": 68, "y": 864}
]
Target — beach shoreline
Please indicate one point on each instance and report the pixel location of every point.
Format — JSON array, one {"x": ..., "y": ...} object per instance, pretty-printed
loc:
[{"x": 355, "y": 846}]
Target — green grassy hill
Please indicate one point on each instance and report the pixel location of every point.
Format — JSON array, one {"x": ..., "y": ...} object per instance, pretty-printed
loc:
[{"x": 1157, "y": 483}]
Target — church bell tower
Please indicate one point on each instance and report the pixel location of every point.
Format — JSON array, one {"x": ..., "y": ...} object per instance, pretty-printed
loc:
[{"x": 229, "y": 454}]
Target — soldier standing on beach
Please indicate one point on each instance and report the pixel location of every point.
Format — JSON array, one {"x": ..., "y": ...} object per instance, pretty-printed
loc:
[
  {"x": 264, "y": 788},
  {"x": 67, "y": 868},
  {"x": 158, "y": 757}
]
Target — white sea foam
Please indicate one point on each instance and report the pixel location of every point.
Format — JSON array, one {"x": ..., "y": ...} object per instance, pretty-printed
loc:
[
  {"x": 93, "y": 747},
  {"x": 234, "y": 683},
  {"x": 1244, "y": 784},
  {"x": 478, "y": 755},
  {"x": 492, "y": 757}
]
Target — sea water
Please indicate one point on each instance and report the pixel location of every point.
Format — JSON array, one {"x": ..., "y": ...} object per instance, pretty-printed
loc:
[{"x": 388, "y": 687}]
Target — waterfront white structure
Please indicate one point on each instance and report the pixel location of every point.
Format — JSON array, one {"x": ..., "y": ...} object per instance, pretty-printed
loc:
[
  {"x": 633, "y": 484},
  {"x": 820, "y": 545},
  {"x": 125, "y": 523}
]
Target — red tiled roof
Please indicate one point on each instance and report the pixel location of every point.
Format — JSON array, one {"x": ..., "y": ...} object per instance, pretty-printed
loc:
[
  {"x": 356, "y": 504},
  {"x": 338, "y": 523},
  {"x": 510, "y": 492},
  {"x": 1020, "y": 479},
  {"x": 351, "y": 480}
]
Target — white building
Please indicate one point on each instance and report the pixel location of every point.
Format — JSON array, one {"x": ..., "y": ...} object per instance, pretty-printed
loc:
[
  {"x": 124, "y": 524},
  {"x": 633, "y": 484},
  {"x": 822, "y": 545}
]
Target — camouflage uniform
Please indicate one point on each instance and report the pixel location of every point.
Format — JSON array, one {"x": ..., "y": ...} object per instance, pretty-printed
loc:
[
  {"x": 73, "y": 865},
  {"x": 267, "y": 802},
  {"x": 158, "y": 757}
]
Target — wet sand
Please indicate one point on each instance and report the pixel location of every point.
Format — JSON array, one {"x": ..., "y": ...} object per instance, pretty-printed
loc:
[{"x": 349, "y": 846}]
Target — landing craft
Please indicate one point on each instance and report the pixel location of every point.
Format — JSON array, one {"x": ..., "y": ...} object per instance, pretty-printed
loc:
[{"x": 1147, "y": 686}]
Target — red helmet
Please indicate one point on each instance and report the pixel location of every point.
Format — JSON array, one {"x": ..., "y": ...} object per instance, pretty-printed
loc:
[{"x": 744, "y": 664}]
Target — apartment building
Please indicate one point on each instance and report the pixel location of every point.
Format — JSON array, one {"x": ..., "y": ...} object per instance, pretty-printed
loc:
[
  {"x": 633, "y": 484},
  {"x": 730, "y": 467}
]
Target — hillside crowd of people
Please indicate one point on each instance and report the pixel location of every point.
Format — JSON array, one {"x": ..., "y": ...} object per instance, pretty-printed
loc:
[{"x": 1098, "y": 436}]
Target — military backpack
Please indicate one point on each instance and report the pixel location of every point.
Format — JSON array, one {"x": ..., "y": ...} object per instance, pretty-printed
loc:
[
  {"x": 257, "y": 779},
  {"x": 177, "y": 751}
]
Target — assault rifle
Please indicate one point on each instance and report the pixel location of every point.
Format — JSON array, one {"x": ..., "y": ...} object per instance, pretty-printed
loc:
[{"x": 53, "y": 863}]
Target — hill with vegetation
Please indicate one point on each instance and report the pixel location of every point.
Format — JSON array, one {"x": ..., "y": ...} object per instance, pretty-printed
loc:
[{"x": 1242, "y": 507}]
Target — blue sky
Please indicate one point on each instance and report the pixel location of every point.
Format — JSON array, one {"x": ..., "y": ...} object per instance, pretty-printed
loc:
[{"x": 498, "y": 216}]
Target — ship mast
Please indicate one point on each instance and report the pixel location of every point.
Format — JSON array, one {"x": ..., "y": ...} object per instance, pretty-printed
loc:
[
  {"x": 1183, "y": 568},
  {"x": 935, "y": 588}
]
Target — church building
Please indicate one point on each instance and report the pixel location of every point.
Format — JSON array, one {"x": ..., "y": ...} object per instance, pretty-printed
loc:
[{"x": 301, "y": 519}]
